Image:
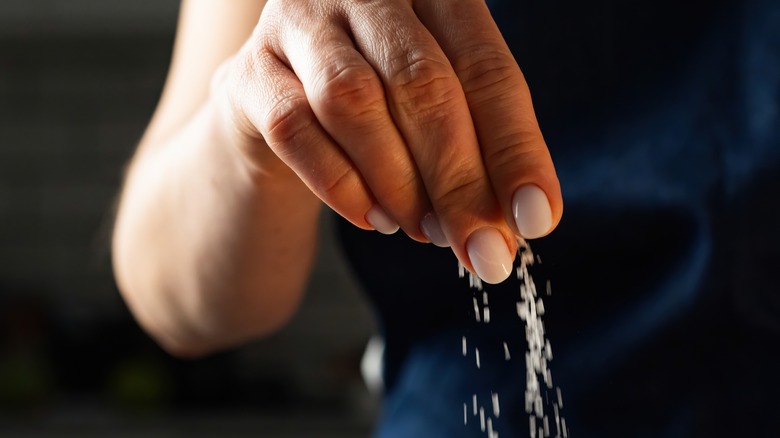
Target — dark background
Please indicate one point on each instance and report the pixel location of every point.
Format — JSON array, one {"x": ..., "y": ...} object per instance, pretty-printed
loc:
[{"x": 78, "y": 83}]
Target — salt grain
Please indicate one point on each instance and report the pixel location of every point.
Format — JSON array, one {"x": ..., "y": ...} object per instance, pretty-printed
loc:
[{"x": 530, "y": 309}]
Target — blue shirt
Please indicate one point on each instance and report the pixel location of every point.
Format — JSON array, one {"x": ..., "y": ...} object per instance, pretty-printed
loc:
[{"x": 663, "y": 120}]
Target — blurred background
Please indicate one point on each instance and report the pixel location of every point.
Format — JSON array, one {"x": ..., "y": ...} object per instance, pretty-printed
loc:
[{"x": 79, "y": 80}]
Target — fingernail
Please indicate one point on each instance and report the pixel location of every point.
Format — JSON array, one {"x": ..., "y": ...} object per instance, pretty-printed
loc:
[
  {"x": 432, "y": 230},
  {"x": 381, "y": 222},
  {"x": 489, "y": 255},
  {"x": 532, "y": 212}
]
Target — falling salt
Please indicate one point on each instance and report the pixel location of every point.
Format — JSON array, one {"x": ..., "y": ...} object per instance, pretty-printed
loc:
[
  {"x": 465, "y": 414},
  {"x": 530, "y": 309}
]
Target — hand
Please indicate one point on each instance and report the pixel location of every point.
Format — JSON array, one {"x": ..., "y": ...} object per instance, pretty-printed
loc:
[{"x": 398, "y": 112}]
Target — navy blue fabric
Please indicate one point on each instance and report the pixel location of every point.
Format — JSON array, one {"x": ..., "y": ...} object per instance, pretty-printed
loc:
[{"x": 664, "y": 123}]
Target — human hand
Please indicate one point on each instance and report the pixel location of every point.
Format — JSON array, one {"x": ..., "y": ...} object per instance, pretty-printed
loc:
[{"x": 397, "y": 113}]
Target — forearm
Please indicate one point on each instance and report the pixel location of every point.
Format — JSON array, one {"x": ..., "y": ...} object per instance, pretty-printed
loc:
[{"x": 207, "y": 253}]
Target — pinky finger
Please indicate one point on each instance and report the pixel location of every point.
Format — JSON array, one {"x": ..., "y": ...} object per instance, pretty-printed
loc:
[{"x": 271, "y": 101}]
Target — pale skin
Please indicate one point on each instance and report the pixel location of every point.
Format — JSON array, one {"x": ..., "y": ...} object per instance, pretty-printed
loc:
[{"x": 400, "y": 113}]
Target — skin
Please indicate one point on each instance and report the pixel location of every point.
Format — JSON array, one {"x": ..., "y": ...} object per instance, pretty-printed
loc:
[{"x": 271, "y": 110}]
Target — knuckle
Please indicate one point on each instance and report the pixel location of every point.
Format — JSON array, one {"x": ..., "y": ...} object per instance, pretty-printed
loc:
[
  {"x": 460, "y": 194},
  {"x": 334, "y": 184},
  {"x": 526, "y": 158},
  {"x": 509, "y": 156},
  {"x": 425, "y": 87},
  {"x": 486, "y": 69},
  {"x": 286, "y": 118},
  {"x": 404, "y": 191},
  {"x": 349, "y": 91}
]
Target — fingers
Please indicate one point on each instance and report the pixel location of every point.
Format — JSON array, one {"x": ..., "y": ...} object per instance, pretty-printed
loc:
[
  {"x": 429, "y": 108},
  {"x": 514, "y": 152},
  {"x": 268, "y": 99},
  {"x": 401, "y": 115},
  {"x": 348, "y": 99}
]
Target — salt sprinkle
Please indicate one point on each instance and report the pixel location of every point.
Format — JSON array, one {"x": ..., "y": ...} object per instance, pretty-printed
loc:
[{"x": 530, "y": 309}]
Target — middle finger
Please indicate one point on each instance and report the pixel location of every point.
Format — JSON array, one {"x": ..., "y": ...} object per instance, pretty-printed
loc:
[
  {"x": 429, "y": 107},
  {"x": 349, "y": 100}
]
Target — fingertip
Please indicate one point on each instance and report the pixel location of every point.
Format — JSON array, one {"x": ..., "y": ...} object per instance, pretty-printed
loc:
[
  {"x": 489, "y": 254},
  {"x": 532, "y": 211},
  {"x": 381, "y": 221},
  {"x": 432, "y": 230}
]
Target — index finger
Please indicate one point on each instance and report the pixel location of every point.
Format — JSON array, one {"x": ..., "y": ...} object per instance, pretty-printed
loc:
[{"x": 513, "y": 148}]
